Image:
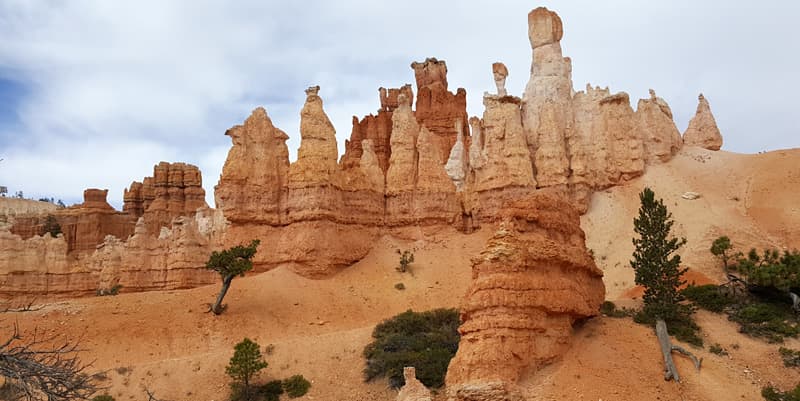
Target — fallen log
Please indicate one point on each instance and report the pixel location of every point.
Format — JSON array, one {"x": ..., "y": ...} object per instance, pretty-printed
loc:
[{"x": 670, "y": 371}]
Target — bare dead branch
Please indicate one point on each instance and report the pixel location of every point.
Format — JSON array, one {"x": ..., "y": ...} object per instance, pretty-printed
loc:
[
  {"x": 45, "y": 368},
  {"x": 24, "y": 307}
]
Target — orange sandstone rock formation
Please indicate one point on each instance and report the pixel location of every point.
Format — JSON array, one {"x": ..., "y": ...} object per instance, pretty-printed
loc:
[
  {"x": 377, "y": 128},
  {"x": 533, "y": 281},
  {"x": 702, "y": 130},
  {"x": 86, "y": 225},
  {"x": 253, "y": 185},
  {"x": 437, "y": 109},
  {"x": 175, "y": 189}
]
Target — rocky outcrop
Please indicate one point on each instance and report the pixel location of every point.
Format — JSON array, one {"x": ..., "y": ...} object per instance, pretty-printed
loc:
[
  {"x": 376, "y": 128},
  {"x": 702, "y": 130},
  {"x": 42, "y": 265},
  {"x": 175, "y": 189},
  {"x": 437, "y": 109},
  {"x": 534, "y": 279},
  {"x": 660, "y": 137},
  {"x": 253, "y": 186},
  {"x": 500, "y": 72},
  {"x": 592, "y": 139},
  {"x": 458, "y": 162},
  {"x": 86, "y": 225},
  {"x": 547, "y": 101},
  {"x": 413, "y": 390}
]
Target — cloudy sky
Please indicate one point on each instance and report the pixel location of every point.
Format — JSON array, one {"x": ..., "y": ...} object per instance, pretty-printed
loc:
[{"x": 94, "y": 93}]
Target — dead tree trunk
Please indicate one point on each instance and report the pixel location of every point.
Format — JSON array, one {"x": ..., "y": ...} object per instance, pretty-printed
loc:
[{"x": 670, "y": 371}]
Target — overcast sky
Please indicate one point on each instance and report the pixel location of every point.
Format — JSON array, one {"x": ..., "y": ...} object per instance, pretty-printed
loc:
[{"x": 94, "y": 93}]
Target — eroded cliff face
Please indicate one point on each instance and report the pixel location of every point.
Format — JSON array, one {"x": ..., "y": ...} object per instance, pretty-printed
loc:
[
  {"x": 531, "y": 283},
  {"x": 79, "y": 263}
]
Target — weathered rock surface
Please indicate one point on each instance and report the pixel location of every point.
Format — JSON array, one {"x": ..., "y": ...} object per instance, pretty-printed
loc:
[
  {"x": 437, "y": 109},
  {"x": 532, "y": 282},
  {"x": 703, "y": 130},
  {"x": 87, "y": 224},
  {"x": 547, "y": 101},
  {"x": 660, "y": 136},
  {"x": 175, "y": 189},
  {"x": 413, "y": 390},
  {"x": 377, "y": 128},
  {"x": 253, "y": 185}
]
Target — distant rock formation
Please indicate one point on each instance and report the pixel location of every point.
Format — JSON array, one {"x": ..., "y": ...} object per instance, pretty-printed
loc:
[
  {"x": 702, "y": 130},
  {"x": 437, "y": 109},
  {"x": 175, "y": 189},
  {"x": 533, "y": 280}
]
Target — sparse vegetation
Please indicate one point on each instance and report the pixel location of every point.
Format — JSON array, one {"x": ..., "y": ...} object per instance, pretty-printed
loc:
[
  {"x": 425, "y": 340},
  {"x": 245, "y": 363},
  {"x": 708, "y": 297},
  {"x": 791, "y": 358},
  {"x": 717, "y": 349},
  {"x": 104, "y": 397},
  {"x": 766, "y": 320},
  {"x": 406, "y": 258},
  {"x": 230, "y": 263},
  {"x": 271, "y": 391},
  {"x": 609, "y": 309},
  {"x": 772, "y": 394},
  {"x": 296, "y": 386},
  {"x": 114, "y": 290},
  {"x": 721, "y": 248},
  {"x": 400, "y": 286}
]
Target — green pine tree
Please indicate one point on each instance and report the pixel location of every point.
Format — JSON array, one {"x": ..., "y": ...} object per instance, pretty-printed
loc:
[
  {"x": 229, "y": 264},
  {"x": 245, "y": 363},
  {"x": 656, "y": 266}
]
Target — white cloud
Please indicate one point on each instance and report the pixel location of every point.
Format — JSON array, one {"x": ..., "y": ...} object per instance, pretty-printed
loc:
[{"x": 112, "y": 88}]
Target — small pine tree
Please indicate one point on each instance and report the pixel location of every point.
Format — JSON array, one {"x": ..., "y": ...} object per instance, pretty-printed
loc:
[
  {"x": 720, "y": 248},
  {"x": 406, "y": 258},
  {"x": 656, "y": 266},
  {"x": 229, "y": 264},
  {"x": 245, "y": 363}
]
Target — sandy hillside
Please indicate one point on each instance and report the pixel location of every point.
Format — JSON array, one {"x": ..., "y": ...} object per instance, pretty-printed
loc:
[
  {"x": 753, "y": 199},
  {"x": 167, "y": 342}
]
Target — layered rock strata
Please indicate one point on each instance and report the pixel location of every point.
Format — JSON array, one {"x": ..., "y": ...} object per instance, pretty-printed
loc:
[
  {"x": 702, "y": 130},
  {"x": 376, "y": 128},
  {"x": 531, "y": 283},
  {"x": 438, "y": 109},
  {"x": 174, "y": 189}
]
